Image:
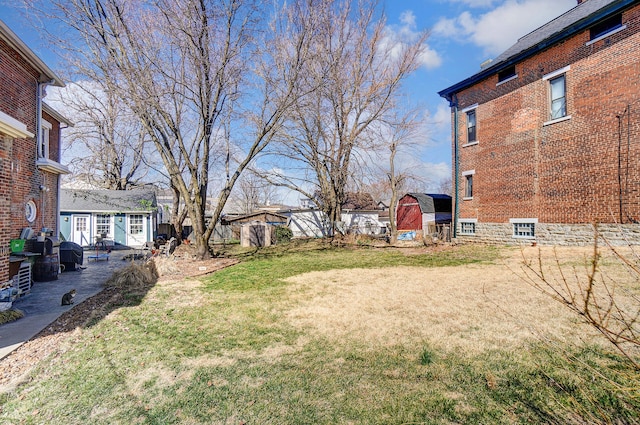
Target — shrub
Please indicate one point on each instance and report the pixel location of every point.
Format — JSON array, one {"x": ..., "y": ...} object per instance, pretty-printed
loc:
[{"x": 283, "y": 234}]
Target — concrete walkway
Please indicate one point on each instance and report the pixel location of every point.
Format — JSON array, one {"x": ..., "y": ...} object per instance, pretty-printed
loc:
[{"x": 42, "y": 306}]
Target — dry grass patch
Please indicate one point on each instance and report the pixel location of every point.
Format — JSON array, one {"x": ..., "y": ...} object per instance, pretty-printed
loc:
[
  {"x": 472, "y": 307},
  {"x": 134, "y": 276}
]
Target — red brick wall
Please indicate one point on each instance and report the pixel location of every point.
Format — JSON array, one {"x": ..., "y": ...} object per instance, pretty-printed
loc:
[
  {"x": 20, "y": 179},
  {"x": 5, "y": 204},
  {"x": 567, "y": 172}
]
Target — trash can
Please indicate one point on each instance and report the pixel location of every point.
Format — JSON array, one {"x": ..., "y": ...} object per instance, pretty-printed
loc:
[{"x": 48, "y": 263}]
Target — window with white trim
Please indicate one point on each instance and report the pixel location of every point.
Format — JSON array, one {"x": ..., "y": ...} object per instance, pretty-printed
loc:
[
  {"x": 103, "y": 224},
  {"x": 558, "y": 92},
  {"x": 557, "y": 89},
  {"x": 467, "y": 227},
  {"x": 468, "y": 183},
  {"x": 136, "y": 222},
  {"x": 524, "y": 228},
  {"x": 81, "y": 224},
  {"x": 43, "y": 145},
  {"x": 471, "y": 126}
]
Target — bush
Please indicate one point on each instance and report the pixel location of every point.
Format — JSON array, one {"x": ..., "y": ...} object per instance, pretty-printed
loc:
[{"x": 283, "y": 234}]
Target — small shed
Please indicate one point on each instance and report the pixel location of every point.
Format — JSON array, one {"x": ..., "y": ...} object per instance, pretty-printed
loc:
[
  {"x": 255, "y": 233},
  {"x": 419, "y": 214},
  {"x": 235, "y": 223}
]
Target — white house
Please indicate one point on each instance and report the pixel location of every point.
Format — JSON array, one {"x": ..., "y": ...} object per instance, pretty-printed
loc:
[{"x": 313, "y": 223}]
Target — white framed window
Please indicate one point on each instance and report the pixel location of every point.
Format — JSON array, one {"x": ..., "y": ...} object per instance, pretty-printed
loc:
[
  {"x": 472, "y": 135},
  {"x": 103, "y": 224},
  {"x": 136, "y": 223},
  {"x": 557, "y": 89},
  {"x": 43, "y": 144},
  {"x": 558, "y": 93},
  {"x": 524, "y": 228},
  {"x": 468, "y": 184},
  {"x": 471, "y": 126},
  {"x": 468, "y": 226},
  {"x": 82, "y": 224}
]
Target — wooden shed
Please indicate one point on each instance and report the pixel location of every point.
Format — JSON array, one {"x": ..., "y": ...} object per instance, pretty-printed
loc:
[
  {"x": 236, "y": 223},
  {"x": 418, "y": 214}
]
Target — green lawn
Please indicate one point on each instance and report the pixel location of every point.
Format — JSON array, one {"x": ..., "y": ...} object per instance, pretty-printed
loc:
[{"x": 221, "y": 351}]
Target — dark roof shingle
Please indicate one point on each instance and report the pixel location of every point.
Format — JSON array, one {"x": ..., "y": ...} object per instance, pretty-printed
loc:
[{"x": 142, "y": 200}]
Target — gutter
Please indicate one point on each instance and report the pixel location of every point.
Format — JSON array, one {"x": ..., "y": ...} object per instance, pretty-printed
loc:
[{"x": 542, "y": 45}]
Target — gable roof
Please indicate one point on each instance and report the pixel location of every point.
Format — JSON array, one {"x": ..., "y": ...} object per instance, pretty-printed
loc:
[
  {"x": 113, "y": 201},
  {"x": 14, "y": 41},
  {"x": 566, "y": 25},
  {"x": 268, "y": 216},
  {"x": 428, "y": 201},
  {"x": 56, "y": 115}
]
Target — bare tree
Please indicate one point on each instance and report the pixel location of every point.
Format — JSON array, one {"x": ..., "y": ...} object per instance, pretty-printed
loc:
[
  {"x": 599, "y": 299},
  {"x": 250, "y": 192},
  {"x": 187, "y": 69},
  {"x": 446, "y": 186},
  {"x": 358, "y": 72},
  {"x": 400, "y": 138},
  {"x": 106, "y": 145}
]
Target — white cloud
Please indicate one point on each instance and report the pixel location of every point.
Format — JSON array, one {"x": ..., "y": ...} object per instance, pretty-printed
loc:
[
  {"x": 442, "y": 117},
  {"x": 434, "y": 173},
  {"x": 398, "y": 36},
  {"x": 475, "y": 3},
  {"x": 498, "y": 29}
]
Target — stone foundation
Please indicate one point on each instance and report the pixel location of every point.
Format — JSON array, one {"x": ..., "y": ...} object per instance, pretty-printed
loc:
[{"x": 554, "y": 234}]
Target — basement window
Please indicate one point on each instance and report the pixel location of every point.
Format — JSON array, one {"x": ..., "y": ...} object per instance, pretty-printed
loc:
[
  {"x": 524, "y": 228},
  {"x": 467, "y": 226},
  {"x": 606, "y": 28}
]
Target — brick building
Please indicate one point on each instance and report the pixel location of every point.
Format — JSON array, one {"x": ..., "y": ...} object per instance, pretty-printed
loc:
[
  {"x": 29, "y": 145},
  {"x": 545, "y": 137}
]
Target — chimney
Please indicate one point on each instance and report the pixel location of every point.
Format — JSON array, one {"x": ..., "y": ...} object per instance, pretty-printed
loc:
[{"x": 581, "y": 1}]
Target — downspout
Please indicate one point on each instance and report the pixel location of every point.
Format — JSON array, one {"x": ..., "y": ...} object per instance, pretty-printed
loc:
[
  {"x": 58, "y": 191},
  {"x": 453, "y": 103},
  {"x": 39, "y": 96}
]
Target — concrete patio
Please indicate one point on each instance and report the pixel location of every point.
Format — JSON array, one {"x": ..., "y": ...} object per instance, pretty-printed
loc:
[{"x": 42, "y": 305}]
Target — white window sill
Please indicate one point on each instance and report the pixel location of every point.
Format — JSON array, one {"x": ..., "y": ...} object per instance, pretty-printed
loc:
[
  {"x": 13, "y": 128},
  {"x": 475, "y": 142},
  {"x": 523, "y": 237},
  {"x": 52, "y": 166},
  {"x": 467, "y": 198},
  {"x": 603, "y": 36},
  {"x": 557, "y": 120},
  {"x": 513, "y": 77}
]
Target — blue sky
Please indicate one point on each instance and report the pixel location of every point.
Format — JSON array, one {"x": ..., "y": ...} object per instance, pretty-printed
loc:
[{"x": 463, "y": 34}]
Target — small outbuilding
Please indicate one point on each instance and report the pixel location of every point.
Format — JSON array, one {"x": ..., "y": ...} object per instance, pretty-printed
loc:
[
  {"x": 233, "y": 225},
  {"x": 420, "y": 214},
  {"x": 124, "y": 217}
]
